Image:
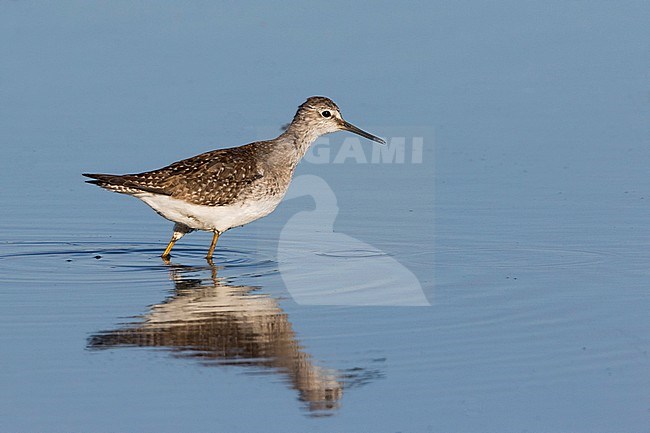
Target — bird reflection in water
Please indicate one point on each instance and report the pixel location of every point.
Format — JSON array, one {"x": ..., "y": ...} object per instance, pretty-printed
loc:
[{"x": 222, "y": 324}]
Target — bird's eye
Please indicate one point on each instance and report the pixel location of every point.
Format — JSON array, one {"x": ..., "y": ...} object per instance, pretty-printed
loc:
[{"x": 325, "y": 113}]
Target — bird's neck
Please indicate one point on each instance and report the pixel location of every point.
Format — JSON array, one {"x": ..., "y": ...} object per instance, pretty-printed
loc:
[{"x": 300, "y": 139}]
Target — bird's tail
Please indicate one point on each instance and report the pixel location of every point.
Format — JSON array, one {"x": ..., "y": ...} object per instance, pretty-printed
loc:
[{"x": 112, "y": 182}]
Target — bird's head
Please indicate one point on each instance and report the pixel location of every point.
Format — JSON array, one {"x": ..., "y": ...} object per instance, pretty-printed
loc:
[{"x": 321, "y": 115}]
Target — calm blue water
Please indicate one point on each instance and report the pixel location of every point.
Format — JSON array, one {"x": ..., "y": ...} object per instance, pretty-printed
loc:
[{"x": 520, "y": 231}]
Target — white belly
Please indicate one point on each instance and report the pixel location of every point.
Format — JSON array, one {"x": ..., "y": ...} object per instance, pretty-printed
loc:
[{"x": 210, "y": 218}]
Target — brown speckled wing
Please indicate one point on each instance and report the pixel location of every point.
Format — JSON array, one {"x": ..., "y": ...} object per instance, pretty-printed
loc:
[{"x": 215, "y": 178}]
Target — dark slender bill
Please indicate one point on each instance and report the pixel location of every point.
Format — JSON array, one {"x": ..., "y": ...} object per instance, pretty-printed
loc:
[{"x": 350, "y": 127}]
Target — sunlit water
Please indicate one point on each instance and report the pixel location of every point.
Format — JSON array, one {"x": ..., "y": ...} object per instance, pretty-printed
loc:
[{"x": 498, "y": 282}]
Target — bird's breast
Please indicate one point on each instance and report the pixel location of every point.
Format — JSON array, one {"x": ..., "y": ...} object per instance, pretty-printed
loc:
[{"x": 210, "y": 218}]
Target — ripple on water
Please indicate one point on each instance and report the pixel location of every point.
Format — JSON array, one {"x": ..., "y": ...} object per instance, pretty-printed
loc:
[
  {"x": 100, "y": 262},
  {"x": 515, "y": 257},
  {"x": 352, "y": 254}
]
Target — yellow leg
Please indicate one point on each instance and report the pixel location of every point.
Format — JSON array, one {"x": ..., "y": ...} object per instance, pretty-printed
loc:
[
  {"x": 179, "y": 231},
  {"x": 215, "y": 238},
  {"x": 170, "y": 245}
]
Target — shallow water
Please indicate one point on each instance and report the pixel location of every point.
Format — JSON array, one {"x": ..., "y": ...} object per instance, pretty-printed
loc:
[{"x": 495, "y": 282}]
